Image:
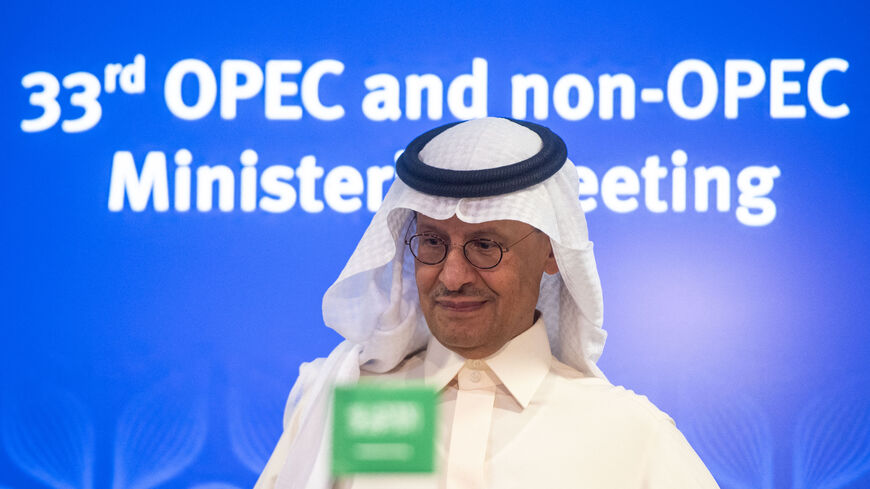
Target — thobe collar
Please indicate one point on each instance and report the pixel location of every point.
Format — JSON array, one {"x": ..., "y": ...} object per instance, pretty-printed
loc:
[{"x": 521, "y": 364}]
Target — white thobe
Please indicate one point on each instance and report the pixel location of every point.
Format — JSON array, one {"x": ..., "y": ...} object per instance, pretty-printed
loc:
[{"x": 520, "y": 419}]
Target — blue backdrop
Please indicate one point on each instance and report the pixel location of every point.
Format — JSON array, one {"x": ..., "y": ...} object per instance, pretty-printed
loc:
[{"x": 151, "y": 331}]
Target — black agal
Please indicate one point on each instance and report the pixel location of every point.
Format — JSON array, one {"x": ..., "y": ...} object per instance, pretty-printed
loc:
[{"x": 481, "y": 183}]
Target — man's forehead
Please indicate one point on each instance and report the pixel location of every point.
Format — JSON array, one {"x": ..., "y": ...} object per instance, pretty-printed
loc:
[{"x": 455, "y": 225}]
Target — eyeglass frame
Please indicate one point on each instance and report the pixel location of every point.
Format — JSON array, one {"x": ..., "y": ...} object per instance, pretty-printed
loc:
[{"x": 448, "y": 244}]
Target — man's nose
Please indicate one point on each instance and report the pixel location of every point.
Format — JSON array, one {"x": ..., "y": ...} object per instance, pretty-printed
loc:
[{"x": 455, "y": 270}]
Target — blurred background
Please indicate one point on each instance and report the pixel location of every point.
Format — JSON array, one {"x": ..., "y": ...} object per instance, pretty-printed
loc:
[{"x": 185, "y": 179}]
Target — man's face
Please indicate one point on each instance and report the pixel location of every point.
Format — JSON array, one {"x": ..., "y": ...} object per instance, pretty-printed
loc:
[{"x": 475, "y": 312}]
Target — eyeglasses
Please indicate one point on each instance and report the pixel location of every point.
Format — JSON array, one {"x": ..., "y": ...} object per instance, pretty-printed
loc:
[{"x": 431, "y": 249}]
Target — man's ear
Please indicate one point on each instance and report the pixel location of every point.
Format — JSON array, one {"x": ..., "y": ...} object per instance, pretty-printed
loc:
[{"x": 550, "y": 266}]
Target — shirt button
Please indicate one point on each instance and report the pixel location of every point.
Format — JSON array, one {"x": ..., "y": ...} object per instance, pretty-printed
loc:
[
  {"x": 476, "y": 364},
  {"x": 475, "y": 376}
]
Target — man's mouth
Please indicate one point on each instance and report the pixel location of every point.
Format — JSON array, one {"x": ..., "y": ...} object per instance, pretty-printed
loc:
[{"x": 460, "y": 305}]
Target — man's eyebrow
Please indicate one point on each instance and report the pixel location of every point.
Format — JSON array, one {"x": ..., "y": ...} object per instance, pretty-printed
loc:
[
  {"x": 488, "y": 232},
  {"x": 428, "y": 228}
]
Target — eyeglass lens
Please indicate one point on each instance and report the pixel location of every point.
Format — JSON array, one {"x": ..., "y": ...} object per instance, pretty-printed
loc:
[{"x": 431, "y": 250}]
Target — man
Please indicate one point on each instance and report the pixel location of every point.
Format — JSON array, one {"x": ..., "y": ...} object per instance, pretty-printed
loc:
[{"x": 477, "y": 277}]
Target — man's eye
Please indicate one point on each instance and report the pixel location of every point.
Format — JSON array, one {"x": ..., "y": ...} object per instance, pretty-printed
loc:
[
  {"x": 483, "y": 245},
  {"x": 430, "y": 241}
]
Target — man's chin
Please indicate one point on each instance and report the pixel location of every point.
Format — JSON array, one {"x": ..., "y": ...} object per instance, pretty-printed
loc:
[
  {"x": 460, "y": 345},
  {"x": 459, "y": 334},
  {"x": 461, "y": 322}
]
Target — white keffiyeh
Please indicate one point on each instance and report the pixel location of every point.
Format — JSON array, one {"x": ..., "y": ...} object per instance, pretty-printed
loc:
[{"x": 374, "y": 302}]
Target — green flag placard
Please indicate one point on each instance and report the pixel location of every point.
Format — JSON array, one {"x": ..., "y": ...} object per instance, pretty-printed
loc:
[{"x": 383, "y": 429}]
